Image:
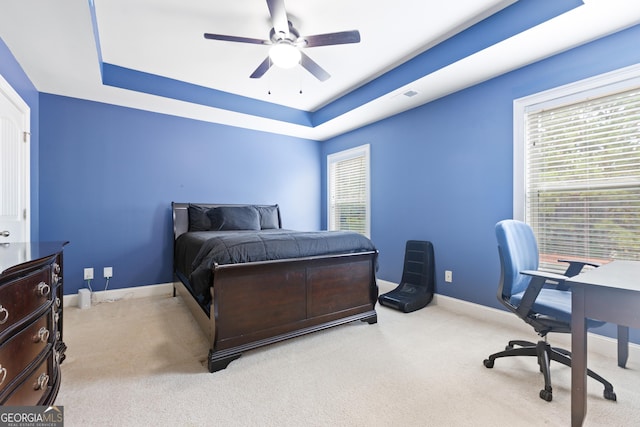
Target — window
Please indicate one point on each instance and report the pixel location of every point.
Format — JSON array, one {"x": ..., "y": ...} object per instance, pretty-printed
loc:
[
  {"x": 577, "y": 163},
  {"x": 348, "y": 188}
]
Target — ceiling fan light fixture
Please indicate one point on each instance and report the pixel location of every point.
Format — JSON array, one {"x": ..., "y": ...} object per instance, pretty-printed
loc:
[{"x": 284, "y": 55}]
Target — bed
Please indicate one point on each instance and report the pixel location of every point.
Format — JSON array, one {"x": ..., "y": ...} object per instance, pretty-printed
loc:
[{"x": 248, "y": 282}]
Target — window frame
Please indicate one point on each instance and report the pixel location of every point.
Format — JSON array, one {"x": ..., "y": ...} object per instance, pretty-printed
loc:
[
  {"x": 359, "y": 151},
  {"x": 615, "y": 81},
  {"x": 567, "y": 94}
]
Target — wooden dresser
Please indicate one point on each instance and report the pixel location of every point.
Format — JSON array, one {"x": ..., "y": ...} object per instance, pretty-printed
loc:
[{"x": 31, "y": 346}]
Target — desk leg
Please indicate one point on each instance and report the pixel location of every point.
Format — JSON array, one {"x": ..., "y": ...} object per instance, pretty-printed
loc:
[
  {"x": 578, "y": 357},
  {"x": 623, "y": 345}
]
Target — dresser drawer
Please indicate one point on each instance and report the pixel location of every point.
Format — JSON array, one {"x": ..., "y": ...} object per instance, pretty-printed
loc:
[
  {"x": 31, "y": 317},
  {"x": 34, "y": 387},
  {"x": 22, "y": 297},
  {"x": 19, "y": 351}
]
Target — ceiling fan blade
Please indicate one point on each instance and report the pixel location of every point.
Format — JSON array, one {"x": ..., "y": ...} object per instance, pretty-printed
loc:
[
  {"x": 235, "y": 39},
  {"x": 279, "y": 17},
  {"x": 262, "y": 68},
  {"x": 311, "y": 66},
  {"x": 342, "y": 37}
]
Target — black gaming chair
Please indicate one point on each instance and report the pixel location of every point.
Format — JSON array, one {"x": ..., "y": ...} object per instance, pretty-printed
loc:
[
  {"x": 417, "y": 285},
  {"x": 538, "y": 298}
]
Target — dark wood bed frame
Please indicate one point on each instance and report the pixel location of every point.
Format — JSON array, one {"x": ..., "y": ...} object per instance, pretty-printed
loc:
[{"x": 260, "y": 303}]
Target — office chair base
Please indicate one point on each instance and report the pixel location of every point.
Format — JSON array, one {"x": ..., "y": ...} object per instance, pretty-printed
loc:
[
  {"x": 610, "y": 395},
  {"x": 545, "y": 354},
  {"x": 546, "y": 394}
]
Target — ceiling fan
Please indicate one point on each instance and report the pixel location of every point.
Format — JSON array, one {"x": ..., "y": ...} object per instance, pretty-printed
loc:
[{"x": 286, "y": 43}]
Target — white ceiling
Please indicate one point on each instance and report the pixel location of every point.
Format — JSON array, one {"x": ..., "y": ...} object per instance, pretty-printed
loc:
[
  {"x": 165, "y": 37},
  {"x": 55, "y": 44}
]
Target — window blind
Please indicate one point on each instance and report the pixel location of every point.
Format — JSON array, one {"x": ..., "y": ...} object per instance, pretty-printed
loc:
[
  {"x": 349, "y": 190},
  {"x": 583, "y": 179}
]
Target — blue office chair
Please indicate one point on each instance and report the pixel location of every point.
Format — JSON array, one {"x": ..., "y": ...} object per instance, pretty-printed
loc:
[{"x": 539, "y": 298}]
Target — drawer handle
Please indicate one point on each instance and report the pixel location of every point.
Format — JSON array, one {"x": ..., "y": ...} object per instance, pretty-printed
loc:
[
  {"x": 43, "y": 335},
  {"x": 43, "y": 289},
  {"x": 3, "y": 373},
  {"x": 4, "y": 315},
  {"x": 56, "y": 267},
  {"x": 42, "y": 382}
]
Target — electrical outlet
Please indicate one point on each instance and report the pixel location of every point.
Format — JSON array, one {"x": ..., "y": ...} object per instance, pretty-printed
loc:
[
  {"x": 448, "y": 276},
  {"x": 88, "y": 273},
  {"x": 108, "y": 272}
]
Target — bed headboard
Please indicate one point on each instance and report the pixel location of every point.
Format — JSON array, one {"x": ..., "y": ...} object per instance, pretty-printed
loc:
[{"x": 181, "y": 215}]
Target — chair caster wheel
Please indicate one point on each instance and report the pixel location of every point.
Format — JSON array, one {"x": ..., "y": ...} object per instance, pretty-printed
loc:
[
  {"x": 610, "y": 395},
  {"x": 488, "y": 363},
  {"x": 546, "y": 395}
]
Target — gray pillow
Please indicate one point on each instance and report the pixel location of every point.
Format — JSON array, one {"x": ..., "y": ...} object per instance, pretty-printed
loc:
[
  {"x": 234, "y": 218},
  {"x": 198, "y": 219},
  {"x": 268, "y": 217}
]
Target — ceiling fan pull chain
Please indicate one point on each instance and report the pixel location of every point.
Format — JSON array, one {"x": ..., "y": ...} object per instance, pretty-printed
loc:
[{"x": 269, "y": 77}]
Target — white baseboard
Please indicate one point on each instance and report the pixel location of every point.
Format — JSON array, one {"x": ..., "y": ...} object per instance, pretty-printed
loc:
[
  {"x": 596, "y": 343},
  {"x": 125, "y": 293}
]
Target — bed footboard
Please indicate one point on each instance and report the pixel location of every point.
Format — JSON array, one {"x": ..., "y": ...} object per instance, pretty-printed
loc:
[{"x": 257, "y": 304}]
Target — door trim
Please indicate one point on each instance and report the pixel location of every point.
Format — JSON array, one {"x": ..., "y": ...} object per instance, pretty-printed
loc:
[{"x": 9, "y": 93}]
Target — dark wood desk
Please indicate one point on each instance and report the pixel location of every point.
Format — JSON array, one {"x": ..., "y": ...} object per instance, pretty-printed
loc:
[{"x": 610, "y": 293}]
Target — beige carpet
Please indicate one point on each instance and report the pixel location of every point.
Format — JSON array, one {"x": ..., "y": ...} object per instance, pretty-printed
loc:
[{"x": 142, "y": 362}]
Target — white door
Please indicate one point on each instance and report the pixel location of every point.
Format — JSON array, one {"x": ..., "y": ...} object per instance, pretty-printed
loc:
[{"x": 14, "y": 166}]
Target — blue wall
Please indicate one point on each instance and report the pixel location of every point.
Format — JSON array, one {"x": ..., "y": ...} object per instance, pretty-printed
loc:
[
  {"x": 13, "y": 73},
  {"x": 109, "y": 175},
  {"x": 443, "y": 172}
]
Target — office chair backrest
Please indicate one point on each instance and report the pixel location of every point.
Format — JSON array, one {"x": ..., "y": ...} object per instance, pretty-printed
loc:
[{"x": 518, "y": 250}]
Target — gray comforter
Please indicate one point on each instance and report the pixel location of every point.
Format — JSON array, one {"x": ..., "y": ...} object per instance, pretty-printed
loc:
[{"x": 197, "y": 252}]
